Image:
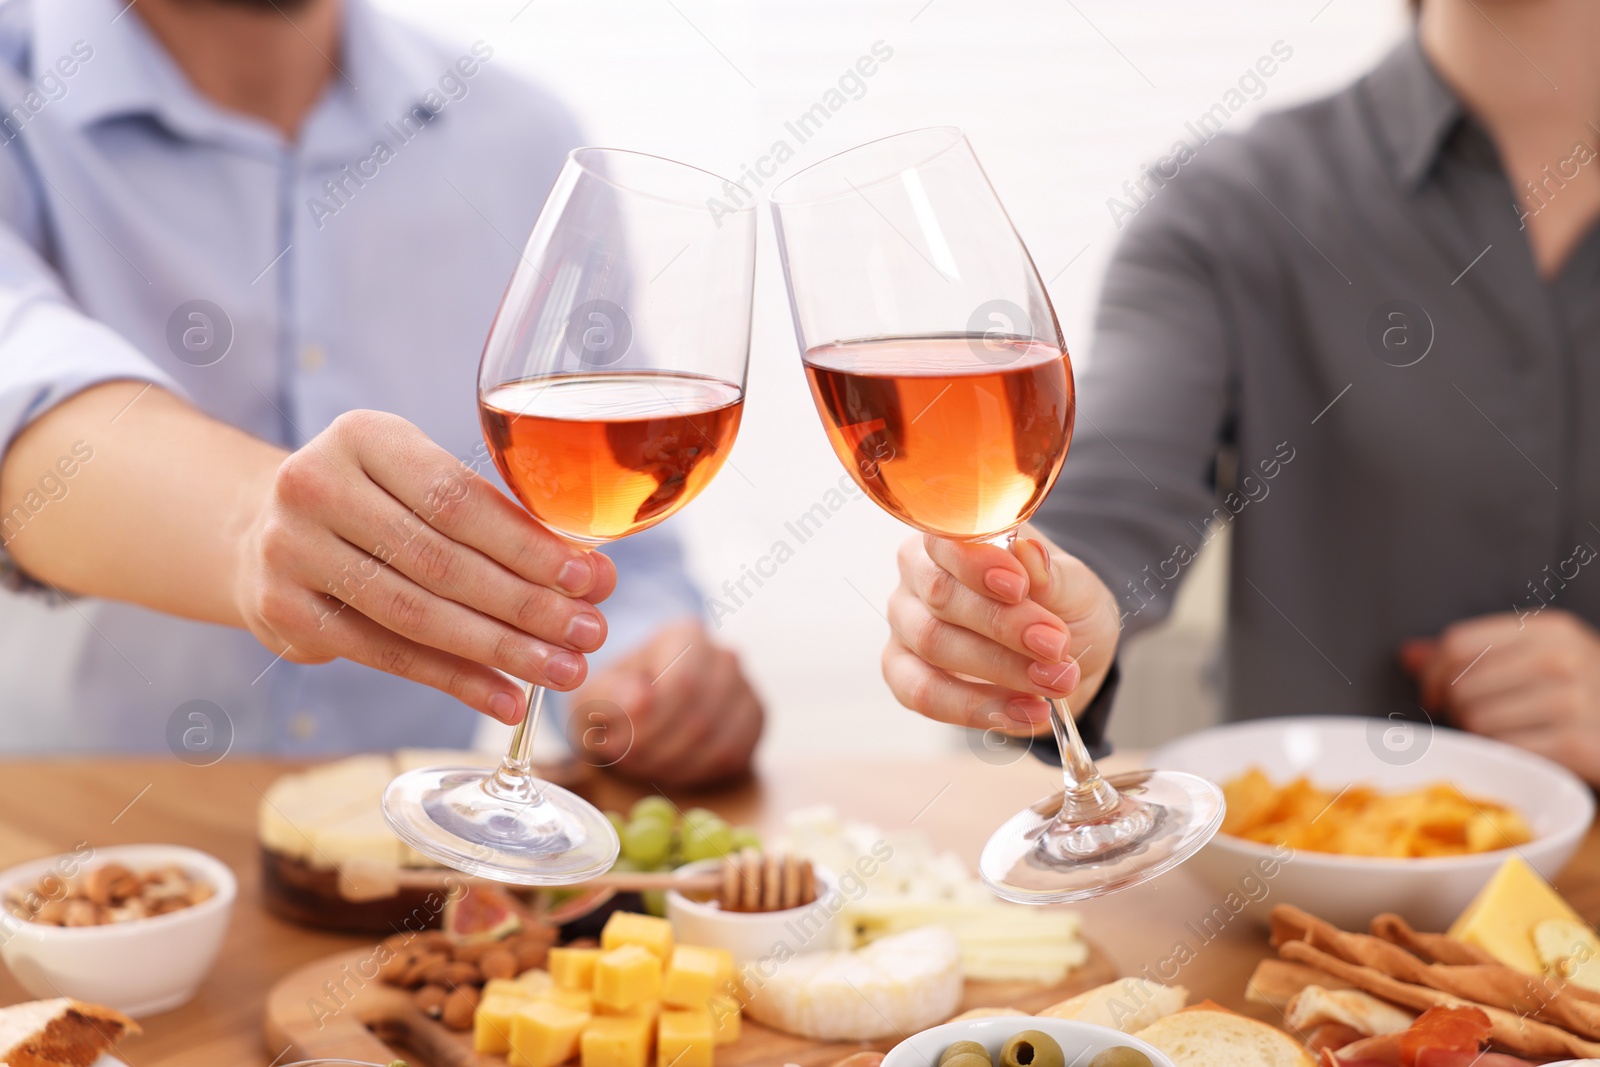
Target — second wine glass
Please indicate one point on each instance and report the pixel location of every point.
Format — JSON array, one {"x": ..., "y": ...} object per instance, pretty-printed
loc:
[
  {"x": 610, "y": 392},
  {"x": 937, "y": 366}
]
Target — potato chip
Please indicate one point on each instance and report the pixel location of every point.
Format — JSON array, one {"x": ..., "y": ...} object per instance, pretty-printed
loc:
[{"x": 1359, "y": 820}]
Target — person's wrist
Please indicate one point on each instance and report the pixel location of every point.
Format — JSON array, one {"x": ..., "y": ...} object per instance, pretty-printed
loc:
[{"x": 242, "y": 530}]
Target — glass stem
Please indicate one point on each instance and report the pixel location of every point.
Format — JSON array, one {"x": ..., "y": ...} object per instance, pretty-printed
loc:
[
  {"x": 1087, "y": 796},
  {"x": 513, "y": 779}
]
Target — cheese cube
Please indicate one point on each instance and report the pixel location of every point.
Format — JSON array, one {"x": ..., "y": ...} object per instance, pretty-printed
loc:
[
  {"x": 511, "y": 988},
  {"x": 576, "y": 999},
  {"x": 544, "y": 1033},
  {"x": 724, "y": 1020},
  {"x": 630, "y": 928},
  {"x": 491, "y": 1022},
  {"x": 694, "y": 975},
  {"x": 627, "y": 976},
  {"x": 616, "y": 1041},
  {"x": 1501, "y": 918},
  {"x": 649, "y": 1011},
  {"x": 573, "y": 968},
  {"x": 534, "y": 980},
  {"x": 683, "y": 1039}
]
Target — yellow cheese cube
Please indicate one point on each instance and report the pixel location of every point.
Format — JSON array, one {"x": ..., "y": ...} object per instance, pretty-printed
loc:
[
  {"x": 694, "y": 975},
  {"x": 576, "y": 999},
  {"x": 1501, "y": 918},
  {"x": 506, "y": 987},
  {"x": 724, "y": 1020},
  {"x": 630, "y": 928},
  {"x": 491, "y": 1022},
  {"x": 534, "y": 980},
  {"x": 573, "y": 968},
  {"x": 544, "y": 1033},
  {"x": 616, "y": 1041},
  {"x": 648, "y": 1010},
  {"x": 683, "y": 1039},
  {"x": 627, "y": 976}
]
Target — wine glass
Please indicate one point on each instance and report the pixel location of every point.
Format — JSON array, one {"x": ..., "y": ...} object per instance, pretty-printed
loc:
[
  {"x": 937, "y": 365},
  {"x": 610, "y": 391}
]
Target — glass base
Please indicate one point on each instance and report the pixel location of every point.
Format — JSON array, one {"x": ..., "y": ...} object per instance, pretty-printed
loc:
[
  {"x": 464, "y": 818},
  {"x": 1161, "y": 819}
]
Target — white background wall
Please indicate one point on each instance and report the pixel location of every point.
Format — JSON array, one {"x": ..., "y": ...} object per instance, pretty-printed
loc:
[{"x": 1063, "y": 101}]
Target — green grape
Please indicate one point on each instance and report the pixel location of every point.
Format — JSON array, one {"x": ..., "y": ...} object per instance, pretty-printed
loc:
[
  {"x": 655, "y": 902},
  {"x": 697, "y": 816},
  {"x": 746, "y": 837},
  {"x": 617, "y": 821},
  {"x": 655, "y": 805},
  {"x": 707, "y": 841},
  {"x": 624, "y": 866},
  {"x": 646, "y": 842}
]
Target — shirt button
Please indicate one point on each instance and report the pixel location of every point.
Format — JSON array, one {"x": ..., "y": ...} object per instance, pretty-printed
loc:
[
  {"x": 312, "y": 357},
  {"x": 302, "y": 726}
]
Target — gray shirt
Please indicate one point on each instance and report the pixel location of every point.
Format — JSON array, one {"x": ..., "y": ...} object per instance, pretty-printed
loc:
[{"x": 1328, "y": 333}]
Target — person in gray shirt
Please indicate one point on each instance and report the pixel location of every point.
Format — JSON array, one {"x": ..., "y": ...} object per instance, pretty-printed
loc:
[{"x": 1364, "y": 336}]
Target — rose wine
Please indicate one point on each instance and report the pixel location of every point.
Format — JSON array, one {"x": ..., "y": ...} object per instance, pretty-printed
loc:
[
  {"x": 958, "y": 436},
  {"x": 596, "y": 457}
]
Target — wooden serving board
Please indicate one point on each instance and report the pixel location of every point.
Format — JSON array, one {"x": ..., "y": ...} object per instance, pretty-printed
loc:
[{"x": 327, "y": 1009}]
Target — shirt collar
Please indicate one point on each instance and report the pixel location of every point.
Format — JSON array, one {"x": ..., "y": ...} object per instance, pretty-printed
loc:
[
  {"x": 1413, "y": 111},
  {"x": 383, "y": 73}
]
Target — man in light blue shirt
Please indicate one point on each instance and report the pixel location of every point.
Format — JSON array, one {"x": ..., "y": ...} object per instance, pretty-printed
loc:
[{"x": 280, "y": 213}]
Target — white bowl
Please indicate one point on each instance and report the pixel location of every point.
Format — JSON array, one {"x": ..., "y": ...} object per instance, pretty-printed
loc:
[
  {"x": 752, "y": 936},
  {"x": 1079, "y": 1041},
  {"x": 138, "y": 967},
  {"x": 1336, "y": 751}
]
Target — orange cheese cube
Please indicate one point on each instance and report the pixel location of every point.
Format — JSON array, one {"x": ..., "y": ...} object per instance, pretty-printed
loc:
[
  {"x": 684, "y": 1039},
  {"x": 573, "y": 968},
  {"x": 627, "y": 976},
  {"x": 616, "y": 1041},
  {"x": 649, "y": 1011},
  {"x": 724, "y": 1020},
  {"x": 694, "y": 975},
  {"x": 491, "y": 1022},
  {"x": 544, "y": 1033},
  {"x": 647, "y": 931},
  {"x": 576, "y": 999}
]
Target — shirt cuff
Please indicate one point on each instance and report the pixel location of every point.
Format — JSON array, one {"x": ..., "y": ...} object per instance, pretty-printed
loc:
[{"x": 1092, "y": 722}]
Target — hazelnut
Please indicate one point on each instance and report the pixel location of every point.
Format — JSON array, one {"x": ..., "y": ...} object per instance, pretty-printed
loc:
[
  {"x": 458, "y": 1008},
  {"x": 111, "y": 884}
]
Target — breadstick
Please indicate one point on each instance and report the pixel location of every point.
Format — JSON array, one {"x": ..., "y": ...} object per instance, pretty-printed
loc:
[
  {"x": 1435, "y": 948},
  {"x": 1510, "y": 1031}
]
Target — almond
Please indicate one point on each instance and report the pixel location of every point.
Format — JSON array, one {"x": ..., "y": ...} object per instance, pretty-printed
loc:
[{"x": 458, "y": 1008}]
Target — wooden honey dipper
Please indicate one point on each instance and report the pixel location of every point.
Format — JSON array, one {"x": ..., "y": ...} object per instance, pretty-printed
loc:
[{"x": 747, "y": 882}]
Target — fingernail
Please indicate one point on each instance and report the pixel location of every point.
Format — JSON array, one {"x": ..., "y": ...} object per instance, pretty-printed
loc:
[
  {"x": 1045, "y": 641},
  {"x": 584, "y": 631},
  {"x": 1061, "y": 677},
  {"x": 1028, "y": 709},
  {"x": 504, "y": 707},
  {"x": 1008, "y": 585},
  {"x": 563, "y": 668},
  {"x": 576, "y": 575},
  {"x": 1044, "y": 558}
]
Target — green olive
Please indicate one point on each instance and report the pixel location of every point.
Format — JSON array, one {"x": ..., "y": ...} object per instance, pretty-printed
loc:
[
  {"x": 965, "y": 1048},
  {"x": 968, "y": 1059},
  {"x": 1031, "y": 1048},
  {"x": 1121, "y": 1056}
]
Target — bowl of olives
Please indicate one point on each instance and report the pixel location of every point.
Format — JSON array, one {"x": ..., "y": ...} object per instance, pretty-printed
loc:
[{"x": 1023, "y": 1041}]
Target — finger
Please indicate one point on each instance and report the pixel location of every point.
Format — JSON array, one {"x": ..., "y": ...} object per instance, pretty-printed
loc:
[
  {"x": 400, "y": 605},
  {"x": 1501, "y": 671},
  {"x": 930, "y": 692},
  {"x": 953, "y": 648},
  {"x": 727, "y": 752},
  {"x": 467, "y": 507},
  {"x": 465, "y": 575},
  {"x": 1026, "y": 628},
  {"x": 1415, "y": 654},
  {"x": 1062, "y": 582},
  {"x": 1529, "y": 707},
  {"x": 975, "y": 565},
  {"x": 683, "y": 719},
  {"x": 481, "y": 688}
]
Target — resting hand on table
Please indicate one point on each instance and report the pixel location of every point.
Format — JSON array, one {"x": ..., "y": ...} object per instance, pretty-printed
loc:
[
  {"x": 1532, "y": 681},
  {"x": 677, "y": 711},
  {"x": 375, "y": 544},
  {"x": 1021, "y": 626}
]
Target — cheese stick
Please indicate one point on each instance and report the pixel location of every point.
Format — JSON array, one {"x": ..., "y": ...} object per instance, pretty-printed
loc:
[{"x": 1524, "y": 1036}]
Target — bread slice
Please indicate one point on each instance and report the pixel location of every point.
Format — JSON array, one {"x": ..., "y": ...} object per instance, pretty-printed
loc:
[
  {"x": 59, "y": 1033},
  {"x": 1127, "y": 1004},
  {"x": 1210, "y": 1036}
]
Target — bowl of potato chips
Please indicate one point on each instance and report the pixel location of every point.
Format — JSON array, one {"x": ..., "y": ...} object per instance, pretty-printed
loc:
[{"x": 1349, "y": 817}]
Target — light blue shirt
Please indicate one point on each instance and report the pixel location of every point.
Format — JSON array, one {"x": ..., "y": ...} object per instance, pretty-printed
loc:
[{"x": 359, "y": 267}]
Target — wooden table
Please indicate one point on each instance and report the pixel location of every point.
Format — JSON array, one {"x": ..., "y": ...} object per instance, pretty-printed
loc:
[{"x": 47, "y": 807}]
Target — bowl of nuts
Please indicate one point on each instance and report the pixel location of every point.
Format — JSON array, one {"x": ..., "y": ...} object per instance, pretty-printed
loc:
[{"x": 134, "y": 927}]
